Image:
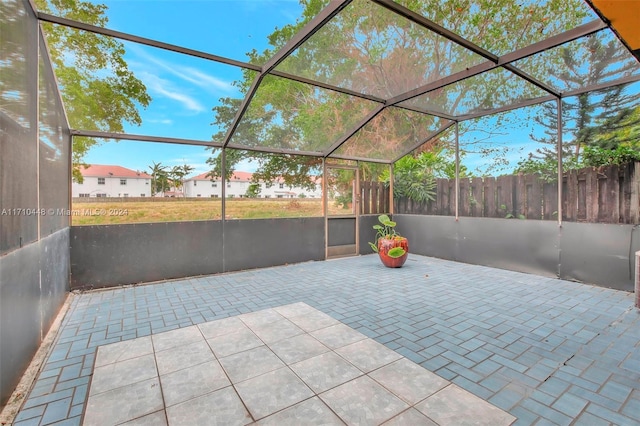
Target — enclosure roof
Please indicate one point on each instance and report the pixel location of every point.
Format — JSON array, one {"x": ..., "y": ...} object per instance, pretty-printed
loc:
[
  {"x": 374, "y": 79},
  {"x": 623, "y": 17}
]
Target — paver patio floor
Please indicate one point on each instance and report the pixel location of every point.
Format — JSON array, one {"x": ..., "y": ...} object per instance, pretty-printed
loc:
[{"x": 544, "y": 350}]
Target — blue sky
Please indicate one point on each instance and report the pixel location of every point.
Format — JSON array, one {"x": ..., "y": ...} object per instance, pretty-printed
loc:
[{"x": 184, "y": 88}]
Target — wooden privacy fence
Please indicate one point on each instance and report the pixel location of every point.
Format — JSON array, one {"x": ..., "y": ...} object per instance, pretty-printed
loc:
[
  {"x": 374, "y": 198},
  {"x": 606, "y": 195}
]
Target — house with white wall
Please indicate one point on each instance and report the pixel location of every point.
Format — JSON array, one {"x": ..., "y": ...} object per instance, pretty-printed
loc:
[
  {"x": 203, "y": 186},
  {"x": 111, "y": 181}
]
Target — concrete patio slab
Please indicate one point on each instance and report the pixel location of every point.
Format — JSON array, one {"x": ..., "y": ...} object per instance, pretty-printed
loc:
[{"x": 255, "y": 384}]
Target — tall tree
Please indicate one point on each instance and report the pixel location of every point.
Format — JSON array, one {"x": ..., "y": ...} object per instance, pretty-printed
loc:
[
  {"x": 98, "y": 89},
  {"x": 602, "y": 119}
]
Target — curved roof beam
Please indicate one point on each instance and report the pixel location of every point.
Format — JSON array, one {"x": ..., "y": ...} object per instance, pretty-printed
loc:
[
  {"x": 441, "y": 130},
  {"x": 355, "y": 130}
]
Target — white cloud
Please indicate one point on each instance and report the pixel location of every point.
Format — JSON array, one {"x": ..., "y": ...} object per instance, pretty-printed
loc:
[
  {"x": 187, "y": 101},
  {"x": 165, "y": 88},
  {"x": 165, "y": 121},
  {"x": 203, "y": 80},
  {"x": 185, "y": 73}
]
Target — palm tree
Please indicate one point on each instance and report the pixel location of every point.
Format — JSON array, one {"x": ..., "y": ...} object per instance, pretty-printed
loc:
[
  {"x": 178, "y": 173},
  {"x": 158, "y": 171}
]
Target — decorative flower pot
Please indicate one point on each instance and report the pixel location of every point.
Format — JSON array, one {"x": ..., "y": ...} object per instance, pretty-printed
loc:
[{"x": 386, "y": 244}]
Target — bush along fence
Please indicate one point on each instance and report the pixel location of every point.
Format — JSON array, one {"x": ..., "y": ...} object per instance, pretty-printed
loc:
[{"x": 608, "y": 194}]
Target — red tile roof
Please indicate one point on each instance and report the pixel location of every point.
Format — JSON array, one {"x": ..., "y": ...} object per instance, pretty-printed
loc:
[
  {"x": 246, "y": 177},
  {"x": 100, "y": 170},
  {"x": 237, "y": 176}
]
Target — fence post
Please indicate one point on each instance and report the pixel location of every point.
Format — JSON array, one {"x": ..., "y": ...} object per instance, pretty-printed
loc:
[
  {"x": 637, "y": 286},
  {"x": 634, "y": 205}
]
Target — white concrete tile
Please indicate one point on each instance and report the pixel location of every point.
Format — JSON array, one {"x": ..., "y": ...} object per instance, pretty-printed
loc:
[
  {"x": 408, "y": 380},
  {"x": 175, "y": 338},
  {"x": 124, "y": 403},
  {"x": 363, "y": 402},
  {"x": 338, "y": 335},
  {"x": 181, "y": 357},
  {"x": 368, "y": 354},
  {"x": 273, "y": 391},
  {"x": 325, "y": 371},
  {"x": 219, "y": 408},
  {"x": 455, "y": 406},
  {"x": 123, "y": 373},
  {"x": 121, "y": 351},
  {"x": 250, "y": 363},
  {"x": 193, "y": 382}
]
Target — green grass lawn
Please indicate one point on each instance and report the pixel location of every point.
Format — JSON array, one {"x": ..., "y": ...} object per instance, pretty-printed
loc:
[{"x": 105, "y": 213}]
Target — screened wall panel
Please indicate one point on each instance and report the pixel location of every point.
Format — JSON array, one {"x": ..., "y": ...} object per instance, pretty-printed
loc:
[
  {"x": 390, "y": 134},
  {"x": 508, "y": 168},
  {"x": 139, "y": 182},
  {"x": 19, "y": 121},
  {"x": 54, "y": 155},
  {"x": 596, "y": 59},
  {"x": 167, "y": 94},
  {"x": 485, "y": 92},
  {"x": 296, "y": 117},
  {"x": 34, "y": 243},
  {"x": 264, "y": 185}
]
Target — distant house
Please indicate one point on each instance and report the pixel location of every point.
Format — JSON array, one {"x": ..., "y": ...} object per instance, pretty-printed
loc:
[
  {"x": 111, "y": 181},
  {"x": 237, "y": 186}
]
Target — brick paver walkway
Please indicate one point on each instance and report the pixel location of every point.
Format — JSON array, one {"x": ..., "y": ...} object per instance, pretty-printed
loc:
[{"x": 544, "y": 350}]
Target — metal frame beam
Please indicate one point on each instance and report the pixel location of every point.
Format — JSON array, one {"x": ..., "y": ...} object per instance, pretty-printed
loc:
[
  {"x": 559, "y": 156},
  {"x": 366, "y": 160},
  {"x": 596, "y": 87},
  {"x": 423, "y": 141},
  {"x": 274, "y": 150},
  {"x": 529, "y": 102},
  {"x": 427, "y": 112},
  {"x": 327, "y": 86},
  {"x": 457, "y": 188},
  {"x": 355, "y": 130},
  {"x": 142, "y": 40},
  {"x": 142, "y": 138},
  {"x": 505, "y": 108},
  {"x": 438, "y": 84},
  {"x": 243, "y": 108},
  {"x": 532, "y": 80},
  {"x": 553, "y": 41}
]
